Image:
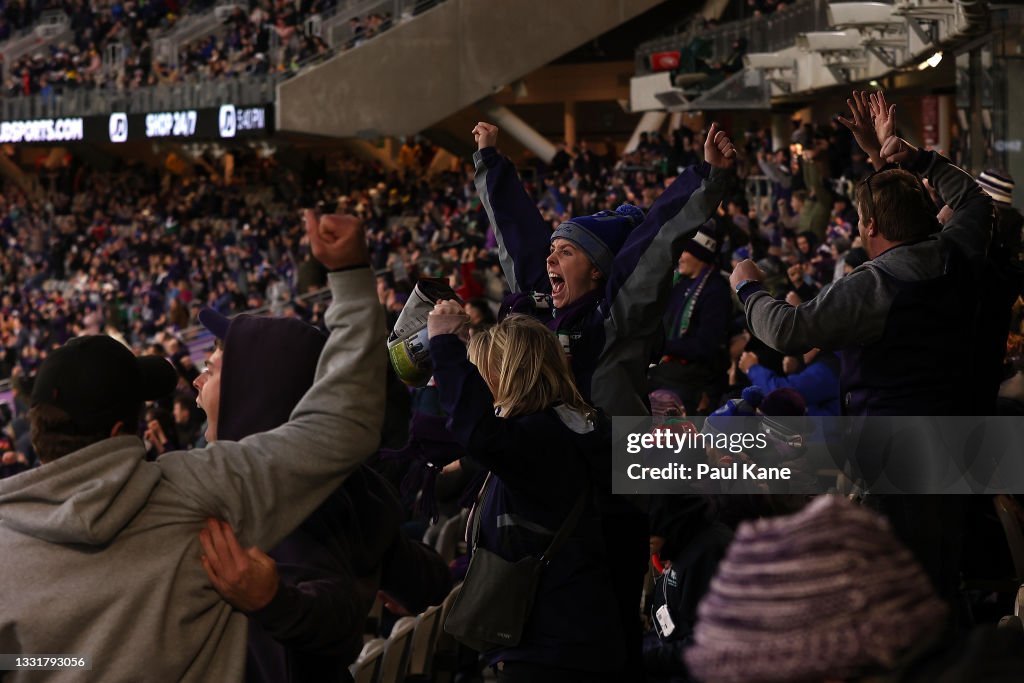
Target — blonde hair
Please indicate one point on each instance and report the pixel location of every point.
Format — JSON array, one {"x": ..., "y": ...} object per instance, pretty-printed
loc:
[{"x": 525, "y": 367}]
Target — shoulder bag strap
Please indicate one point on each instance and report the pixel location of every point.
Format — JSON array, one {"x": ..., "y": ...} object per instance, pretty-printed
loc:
[
  {"x": 475, "y": 512},
  {"x": 568, "y": 526}
]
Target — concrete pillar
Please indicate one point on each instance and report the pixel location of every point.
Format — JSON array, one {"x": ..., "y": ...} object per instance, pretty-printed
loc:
[
  {"x": 946, "y": 105},
  {"x": 649, "y": 122},
  {"x": 675, "y": 121},
  {"x": 782, "y": 129},
  {"x": 570, "y": 123},
  {"x": 510, "y": 124},
  {"x": 390, "y": 148}
]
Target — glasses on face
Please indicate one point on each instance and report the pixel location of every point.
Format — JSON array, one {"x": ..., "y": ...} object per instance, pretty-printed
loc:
[{"x": 870, "y": 194}]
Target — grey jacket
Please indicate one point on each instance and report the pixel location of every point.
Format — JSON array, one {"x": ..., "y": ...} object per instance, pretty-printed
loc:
[
  {"x": 908, "y": 321},
  {"x": 99, "y": 550}
]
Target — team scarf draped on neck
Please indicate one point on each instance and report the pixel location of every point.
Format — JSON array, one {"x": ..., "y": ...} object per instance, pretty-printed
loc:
[{"x": 691, "y": 296}]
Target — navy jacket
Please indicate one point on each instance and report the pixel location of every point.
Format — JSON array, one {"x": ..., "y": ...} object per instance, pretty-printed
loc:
[
  {"x": 539, "y": 467},
  {"x": 913, "y": 335},
  {"x": 613, "y": 334}
]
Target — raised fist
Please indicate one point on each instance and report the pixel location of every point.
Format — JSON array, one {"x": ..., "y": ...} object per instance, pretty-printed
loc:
[
  {"x": 337, "y": 241},
  {"x": 718, "y": 148},
  {"x": 485, "y": 134}
]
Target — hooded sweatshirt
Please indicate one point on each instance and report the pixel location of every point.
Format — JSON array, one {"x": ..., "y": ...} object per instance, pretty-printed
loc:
[{"x": 110, "y": 542}]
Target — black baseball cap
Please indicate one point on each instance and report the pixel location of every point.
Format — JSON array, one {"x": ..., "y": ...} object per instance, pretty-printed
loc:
[
  {"x": 97, "y": 381},
  {"x": 215, "y": 322}
]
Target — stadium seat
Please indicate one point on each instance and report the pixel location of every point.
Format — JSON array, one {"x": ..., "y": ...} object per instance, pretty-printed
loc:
[
  {"x": 1011, "y": 623},
  {"x": 1016, "y": 620},
  {"x": 451, "y": 532},
  {"x": 367, "y": 667},
  {"x": 373, "y": 619},
  {"x": 424, "y": 643},
  {"x": 434, "y": 530},
  {"x": 395, "y": 661},
  {"x": 1012, "y": 518},
  {"x": 445, "y": 645}
]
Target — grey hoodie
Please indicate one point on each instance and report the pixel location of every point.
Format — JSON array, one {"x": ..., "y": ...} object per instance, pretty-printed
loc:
[{"x": 99, "y": 550}]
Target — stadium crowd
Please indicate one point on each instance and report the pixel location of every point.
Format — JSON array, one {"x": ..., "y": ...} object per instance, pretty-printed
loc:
[
  {"x": 255, "y": 39},
  {"x": 93, "y": 17},
  {"x": 268, "y": 38},
  {"x": 806, "y": 280}
]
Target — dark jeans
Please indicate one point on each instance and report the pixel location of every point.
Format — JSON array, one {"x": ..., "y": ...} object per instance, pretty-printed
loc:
[{"x": 627, "y": 535}]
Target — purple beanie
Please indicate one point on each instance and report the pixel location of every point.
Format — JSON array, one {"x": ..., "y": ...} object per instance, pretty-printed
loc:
[
  {"x": 665, "y": 402},
  {"x": 826, "y": 593}
]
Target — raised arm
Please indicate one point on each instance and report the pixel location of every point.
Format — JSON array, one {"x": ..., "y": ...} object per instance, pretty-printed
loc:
[
  {"x": 267, "y": 484},
  {"x": 970, "y": 227},
  {"x": 872, "y": 121},
  {"x": 522, "y": 234},
  {"x": 973, "y": 211},
  {"x": 774, "y": 173},
  {"x": 494, "y": 442},
  {"x": 641, "y": 278}
]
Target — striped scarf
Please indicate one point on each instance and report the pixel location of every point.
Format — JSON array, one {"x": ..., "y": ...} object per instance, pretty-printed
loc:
[{"x": 692, "y": 294}]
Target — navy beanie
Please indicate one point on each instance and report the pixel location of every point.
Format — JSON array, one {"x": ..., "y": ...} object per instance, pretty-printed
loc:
[
  {"x": 704, "y": 243},
  {"x": 601, "y": 235}
]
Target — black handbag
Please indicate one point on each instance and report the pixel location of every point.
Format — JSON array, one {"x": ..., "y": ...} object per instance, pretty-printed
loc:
[{"x": 495, "y": 600}]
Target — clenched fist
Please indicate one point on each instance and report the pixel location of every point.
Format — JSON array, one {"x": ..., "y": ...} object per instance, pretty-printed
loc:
[
  {"x": 337, "y": 241},
  {"x": 745, "y": 270},
  {"x": 718, "y": 148},
  {"x": 485, "y": 134}
]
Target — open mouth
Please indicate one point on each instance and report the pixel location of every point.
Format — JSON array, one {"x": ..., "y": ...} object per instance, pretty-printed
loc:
[{"x": 557, "y": 284}]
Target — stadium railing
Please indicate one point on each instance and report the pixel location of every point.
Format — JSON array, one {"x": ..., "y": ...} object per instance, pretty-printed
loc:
[
  {"x": 53, "y": 26},
  {"x": 244, "y": 90},
  {"x": 247, "y": 90},
  {"x": 763, "y": 34}
]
